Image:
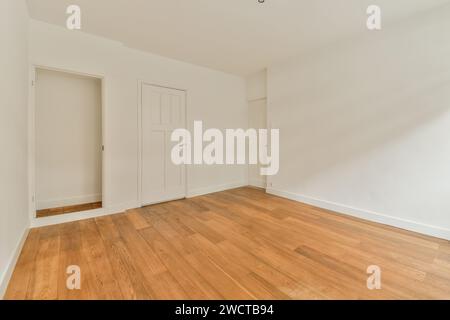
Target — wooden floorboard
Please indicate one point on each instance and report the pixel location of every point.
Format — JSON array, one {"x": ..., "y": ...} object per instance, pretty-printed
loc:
[
  {"x": 236, "y": 244},
  {"x": 68, "y": 209}
]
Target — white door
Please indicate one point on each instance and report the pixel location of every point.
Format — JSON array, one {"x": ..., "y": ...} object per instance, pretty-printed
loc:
[{"x": 163, "y": 110}]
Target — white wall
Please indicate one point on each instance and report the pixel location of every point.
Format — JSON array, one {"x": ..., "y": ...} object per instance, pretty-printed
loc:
[
  {"x": 217, "y": 98},
  {"x": 365, "y": 125},
  {"x": 13, "y": 133},
  {"x": 68, "y": 126},
  {"x": 257, "y": 117},
  {"x": 257, "y": 85}
]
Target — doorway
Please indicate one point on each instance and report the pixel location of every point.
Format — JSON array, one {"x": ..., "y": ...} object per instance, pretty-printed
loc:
[
  {"x": 162, "y": 111},
  {"x": 68, "y": 142}
]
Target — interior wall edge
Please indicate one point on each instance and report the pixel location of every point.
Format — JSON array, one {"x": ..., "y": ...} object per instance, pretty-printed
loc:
[
  {"x": 57, "y": 47},
  {"x": 55, "y": 203},
  {"x": 217, "y": 188}
]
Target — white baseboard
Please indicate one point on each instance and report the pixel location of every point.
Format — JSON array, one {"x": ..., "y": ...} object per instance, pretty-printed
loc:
[
  {"x": 406, "y": 224},
  {"x": 89, "y": 214},
  {"x": 202, "y": 191},
  {"x": 257, "y": 183},
  {"x": 6, "y": 276},
  {"x": 56, "y": 203}
]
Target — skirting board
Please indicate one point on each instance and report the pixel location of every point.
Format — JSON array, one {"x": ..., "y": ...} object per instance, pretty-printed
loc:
[
  {"x": 88, "y": 215},
  {"x": 6, "y": 276},
  {"x": 76, "y": 216},
  {"x": 202, "y": 191},
  {"x": 257, "y": 183},
  {"x": 56, "y": 203},
  {"x": 410, "y": 225}
]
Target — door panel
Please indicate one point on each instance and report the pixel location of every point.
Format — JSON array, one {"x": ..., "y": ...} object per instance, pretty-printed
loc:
[{"x": 163, "y": 110}]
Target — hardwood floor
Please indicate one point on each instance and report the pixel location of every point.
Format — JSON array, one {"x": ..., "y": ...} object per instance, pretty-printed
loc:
[
  {"x": 237, "y": 244},
  {"x": 68, "y": 209}
]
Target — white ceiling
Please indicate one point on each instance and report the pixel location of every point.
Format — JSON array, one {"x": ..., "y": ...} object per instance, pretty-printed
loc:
[{"x": 236, "y": 36}]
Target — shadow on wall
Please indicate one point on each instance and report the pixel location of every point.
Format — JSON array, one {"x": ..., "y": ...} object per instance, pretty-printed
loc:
[{"x": 345, "y": 103}]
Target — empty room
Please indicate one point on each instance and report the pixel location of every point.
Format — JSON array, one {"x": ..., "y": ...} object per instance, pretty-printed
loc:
[{"x": 204, "y": 150}]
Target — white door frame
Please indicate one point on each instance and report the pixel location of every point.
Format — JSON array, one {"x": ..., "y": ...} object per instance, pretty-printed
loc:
[
  {"x": 32, "y": 137},
  {"x": 140, "y": 140}
]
